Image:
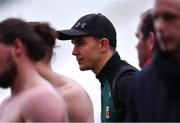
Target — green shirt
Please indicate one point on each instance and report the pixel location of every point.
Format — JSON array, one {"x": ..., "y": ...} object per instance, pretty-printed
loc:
[
  {"x": 108, "y": 111},
  {"x": 114, "y": 78}
]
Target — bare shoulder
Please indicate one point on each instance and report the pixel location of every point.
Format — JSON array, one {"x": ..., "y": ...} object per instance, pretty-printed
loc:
[
  {"x": 42, "y": 92},
  {"x": 66, "y": 85},
  {"x": 43, "y": 104},
  {"x": 39, "y": 94},
  {"x": 78, "y": 101},
  {"x": 71, "y": 88}
]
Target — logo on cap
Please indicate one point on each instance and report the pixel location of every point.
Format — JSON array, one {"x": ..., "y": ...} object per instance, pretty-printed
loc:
[
  {"x": 81, "y": 25},
  {"x": 107, "y": 112}
]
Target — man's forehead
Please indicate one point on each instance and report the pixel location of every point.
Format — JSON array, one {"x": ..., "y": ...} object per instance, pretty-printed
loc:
[
  {"x": 167, "y": 6},
  {"x": 168, "y": 2},
  {"x": 81, "y": 38}
]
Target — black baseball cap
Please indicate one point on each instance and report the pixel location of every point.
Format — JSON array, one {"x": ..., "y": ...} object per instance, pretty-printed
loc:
[{"x": 96, "y": 25}]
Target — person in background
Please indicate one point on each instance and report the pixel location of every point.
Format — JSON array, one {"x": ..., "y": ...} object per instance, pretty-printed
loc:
[
  {"x": 32, "y": 98},
  {"x": 79, "y": 105},
  {"x": 146, "y": 39},
  {"x": 94, "y": 39},
  {"x": 155, "y": 93}
]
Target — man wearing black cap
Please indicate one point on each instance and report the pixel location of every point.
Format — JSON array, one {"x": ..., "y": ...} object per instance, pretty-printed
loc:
[{"x": 94, "y": 39}]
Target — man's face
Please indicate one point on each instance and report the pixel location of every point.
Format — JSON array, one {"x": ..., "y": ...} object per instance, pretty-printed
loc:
[
  {"x": 7, "y": 67},
  {"x": 144, "y": 52},
  {"x": 86, "y": 50},
  {"x": 167, "y": 24}
]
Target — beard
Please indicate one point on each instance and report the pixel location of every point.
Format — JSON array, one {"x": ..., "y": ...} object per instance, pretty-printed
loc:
[{"x": 7, "y": 76}]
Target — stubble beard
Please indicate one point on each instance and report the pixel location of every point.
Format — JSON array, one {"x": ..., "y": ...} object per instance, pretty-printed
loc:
[{"x": 7, "y": 77}]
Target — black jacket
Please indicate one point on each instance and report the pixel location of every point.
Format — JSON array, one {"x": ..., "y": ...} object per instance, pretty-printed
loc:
[
  {"x": 114, "y": 78},
  {"x": 155, "y": 92}
]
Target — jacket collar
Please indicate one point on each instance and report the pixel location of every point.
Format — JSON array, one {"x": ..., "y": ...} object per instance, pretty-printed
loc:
[
  {"x": 167, "y": 66},
  {"x": 109, "y": 67}
]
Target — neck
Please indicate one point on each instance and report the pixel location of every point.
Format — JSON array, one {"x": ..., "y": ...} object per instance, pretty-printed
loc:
[
  {"x": 24, "y": 80},
  {"x": 148, "y": 62},
  {"x": 46, "y": 71},
  {"x": 44, "y": 63},
  {"x": 103, "y": 60},
  {"x": 173, "y": 57}
]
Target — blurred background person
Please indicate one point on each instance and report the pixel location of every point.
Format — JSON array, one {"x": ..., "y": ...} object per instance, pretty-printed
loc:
[
  {"x": 155, "y": 93},
  {"x": 146, "y": 39},
  {"x": 32, "y": 98},
  {"x": 79, "y": 105}
]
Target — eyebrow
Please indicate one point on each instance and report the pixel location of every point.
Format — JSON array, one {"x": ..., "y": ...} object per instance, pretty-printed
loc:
[{"x": 76, "y": 39}]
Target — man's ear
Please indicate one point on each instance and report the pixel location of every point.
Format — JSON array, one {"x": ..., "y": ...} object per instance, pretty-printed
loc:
[
  {"x": 151, "y": 41},
  {"x": 104, "y": 44},
  {"x": 18, "y": 47}
]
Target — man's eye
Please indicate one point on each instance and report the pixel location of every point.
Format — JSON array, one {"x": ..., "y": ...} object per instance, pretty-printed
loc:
[
  {"x": 79, "y": 42},
  {"x": 156, "y": 16},
  {"x": 165, "y": 16},
  {"x": 169, "y": 17}
]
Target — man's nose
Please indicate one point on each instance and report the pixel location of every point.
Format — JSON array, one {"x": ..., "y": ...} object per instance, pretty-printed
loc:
[
  {"x": 75, "y": 50},
  {"x": 159, "y": 25}
]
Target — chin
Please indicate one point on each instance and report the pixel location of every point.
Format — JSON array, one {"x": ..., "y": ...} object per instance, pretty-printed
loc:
[
  {"x": 83, "y": 68},
  {"x": 168, "y": 49}
]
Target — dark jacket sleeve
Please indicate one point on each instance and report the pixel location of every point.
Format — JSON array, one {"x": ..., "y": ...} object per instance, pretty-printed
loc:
[
  {"x": 120, "y": 90},
  {"x": 123, "y": 81}
]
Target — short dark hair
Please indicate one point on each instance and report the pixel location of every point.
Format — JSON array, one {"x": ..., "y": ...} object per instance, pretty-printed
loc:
[
  {"x": 147, "y": 23},
  {"x": 100, "y": 37},
  {"x": 48, "y": 35},
  {"x": 14, "y": 28}
]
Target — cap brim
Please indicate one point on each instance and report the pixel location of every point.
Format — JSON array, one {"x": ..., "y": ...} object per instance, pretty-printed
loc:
[{"x": 70, "y": 34}]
